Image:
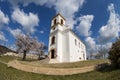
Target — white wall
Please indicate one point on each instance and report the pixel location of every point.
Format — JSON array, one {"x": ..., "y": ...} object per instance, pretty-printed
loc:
[
  {"x": 65, "y": 47},
  {"x": 76, "y": 52},
  {"x": 59, "y": 46}
]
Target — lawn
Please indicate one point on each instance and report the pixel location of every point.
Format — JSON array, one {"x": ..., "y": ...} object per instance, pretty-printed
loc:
[
  {"x": 8, "y": 73},
  {"x": 7, "y": 58},
  {"x": 57, "y": 65},
  {"x": 66, "y": 65}
]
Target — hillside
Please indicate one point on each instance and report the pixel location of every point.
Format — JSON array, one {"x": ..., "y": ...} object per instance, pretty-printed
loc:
[{"x": 4, "y": 50}]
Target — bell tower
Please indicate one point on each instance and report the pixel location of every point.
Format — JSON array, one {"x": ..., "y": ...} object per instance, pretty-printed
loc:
[
  {"x": 55, "y": 38},
  {"x": 58, "y": 19}
]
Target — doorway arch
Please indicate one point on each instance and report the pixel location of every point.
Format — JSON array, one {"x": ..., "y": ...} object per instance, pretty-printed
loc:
[{"x": 52, "y": 54}]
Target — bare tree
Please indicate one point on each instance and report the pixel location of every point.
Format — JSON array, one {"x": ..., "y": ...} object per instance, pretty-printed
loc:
[
  {"x": 103, "y": 52},
  {"x": 98, "y": 56},
  {"x": 25, "y": 44}
]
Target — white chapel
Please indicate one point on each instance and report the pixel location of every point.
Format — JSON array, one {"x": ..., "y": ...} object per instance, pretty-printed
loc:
[{"x": 64, "y": 44}]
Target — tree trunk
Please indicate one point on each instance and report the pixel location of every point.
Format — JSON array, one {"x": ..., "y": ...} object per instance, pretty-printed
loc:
[
  {"x": 38, "y": 56},
  {"x": 24, "y": 55}
]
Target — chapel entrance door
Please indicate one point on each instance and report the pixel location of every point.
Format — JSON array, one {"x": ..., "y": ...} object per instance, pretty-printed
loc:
[{"x": 52, "y": 54}]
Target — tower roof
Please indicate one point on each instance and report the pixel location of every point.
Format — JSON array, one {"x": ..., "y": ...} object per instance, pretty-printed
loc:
[{"x": 59, "y": 15}]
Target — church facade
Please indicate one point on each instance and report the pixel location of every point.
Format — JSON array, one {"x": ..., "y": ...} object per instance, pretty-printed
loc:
[{"x": 64, "y": 44}]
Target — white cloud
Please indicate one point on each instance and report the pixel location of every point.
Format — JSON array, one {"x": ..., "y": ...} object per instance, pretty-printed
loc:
[
  {"x": 66, "y": 7},
  {"x": 41, "y": 31},
  {"x": 107, "y": 45},
  {"x": 15, "y": 32},
  {"x": 91, "y": 44},
  {"x": 112, "y": 28},
  {"x": 84, "y": 26},
  {"x": 3, "y": 19},
  {"x": 48, "y": 3},
  {"x": 28, "y": 21},
  {"x": 2, "y": 37},
  {"x": 93, "y": 47}
]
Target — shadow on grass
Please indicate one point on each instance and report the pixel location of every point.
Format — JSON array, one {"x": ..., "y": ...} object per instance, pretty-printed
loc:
[{"x": 105, "y": 68}]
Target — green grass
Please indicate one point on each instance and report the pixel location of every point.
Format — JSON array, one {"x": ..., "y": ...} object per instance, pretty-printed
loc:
[
  {"x": 57, "y": 65},
  {"x": 8, "y": 73},
  {"x": 67, "y": 65},
  {"x": 7, "y": 58}
]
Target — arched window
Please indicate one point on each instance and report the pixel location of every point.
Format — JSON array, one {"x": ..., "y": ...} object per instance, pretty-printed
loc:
[
  {"x": 61, "y": 21},
  {"x": 55, "y": 21},
  {"x": 53, "y": 40}
]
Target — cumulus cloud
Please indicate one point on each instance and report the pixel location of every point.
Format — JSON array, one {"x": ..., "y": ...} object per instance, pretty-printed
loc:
[
  {"x": 84, "y": 26},
  {"x": 112, "y": 28},
  {"x": 15, "y": 32},
  {"x": 3, "y": 19},
  {"x": 107, "y": 46},
  {"x": 107, "y": 33},
  {"x": 91, "y": 44},
  {"x": 28, "y": 21},
  {"x": 2, "y": 37},
  {"x": 66, "y": 7},
  {"x": 48, "y": 3},
  {"x": 93, "y": 47}
]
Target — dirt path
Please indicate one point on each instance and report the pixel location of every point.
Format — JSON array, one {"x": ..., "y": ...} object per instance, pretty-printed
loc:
[{"x": 49, "y": 71}]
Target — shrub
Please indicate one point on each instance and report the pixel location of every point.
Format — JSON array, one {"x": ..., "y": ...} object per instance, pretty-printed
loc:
[{"x": 114, "y": 54}]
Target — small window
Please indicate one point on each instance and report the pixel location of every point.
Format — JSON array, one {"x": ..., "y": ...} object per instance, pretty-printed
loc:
[
  {"x": 83, "y": 56},
  {"x": 79, "y": 44},
  {"x": 75, "y": 42},
  {"x": 61, "y": 21},
  {"x": 55, "y": 21},
  {"x": 53, "y": 40},
  {"x": 80, "y": 58}
]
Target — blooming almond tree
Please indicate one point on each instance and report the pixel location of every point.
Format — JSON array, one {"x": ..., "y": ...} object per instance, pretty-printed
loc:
[
  {"x": 25, "y": 44},
  {"x": 39, "y": 47}
]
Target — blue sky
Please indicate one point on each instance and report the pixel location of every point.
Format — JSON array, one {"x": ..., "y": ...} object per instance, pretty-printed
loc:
[{"x": 96, "y": 22}]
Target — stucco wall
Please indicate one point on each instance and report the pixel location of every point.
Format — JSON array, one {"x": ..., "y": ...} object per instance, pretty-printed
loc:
[
  {"x": 65, "y": 47},
  {"x": 75, "y": 50},
  {"x": 59, "y": 46}
]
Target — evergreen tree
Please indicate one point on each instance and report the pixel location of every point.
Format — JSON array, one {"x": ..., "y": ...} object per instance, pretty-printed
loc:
[{"x": 114, "y": 54}]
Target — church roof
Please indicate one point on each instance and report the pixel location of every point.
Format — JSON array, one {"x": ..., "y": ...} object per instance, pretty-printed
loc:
[{"x": 59, "y": 15}]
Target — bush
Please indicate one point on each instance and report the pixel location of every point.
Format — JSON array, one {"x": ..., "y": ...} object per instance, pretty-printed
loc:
[{"x": 114, "y": 54}]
